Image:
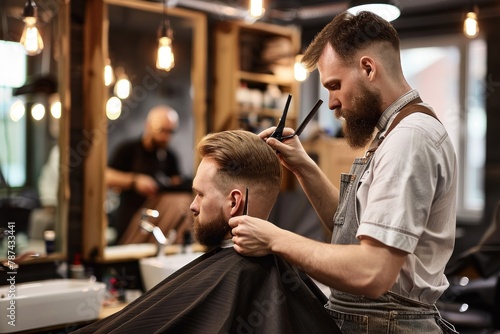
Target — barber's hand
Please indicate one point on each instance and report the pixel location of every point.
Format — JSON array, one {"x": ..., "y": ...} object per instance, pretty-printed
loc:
[
  {"x": 251, "y": 236},
  {"x": 145, "y": 185},
  {"x": 291, "y": 153}
]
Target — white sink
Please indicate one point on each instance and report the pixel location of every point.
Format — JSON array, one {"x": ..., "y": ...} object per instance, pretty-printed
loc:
[
  {"x": 156, "y": 269},
  {"x": 132, "y": 251},
  {"x": 48, "y": 303}
]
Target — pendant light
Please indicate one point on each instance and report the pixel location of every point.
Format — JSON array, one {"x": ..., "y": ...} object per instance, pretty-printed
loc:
[
  {"x": 31, "y": 38},
  {"x": 109, "y": 75},
  {"x": 382, "y": 8},
  {"x": 471, "y": 27},
  {"x": 256, "y": 9},
  {"x": 37, "y": 111},
  {"x": 300, "y": 73},
  {"x": 165, "y": 59},
  {"x": 123, "y": 86},
  {"x": 17, "y": 110}
]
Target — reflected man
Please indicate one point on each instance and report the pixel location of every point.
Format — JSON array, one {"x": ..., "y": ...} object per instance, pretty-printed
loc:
[{"x": 147, "y": 173}]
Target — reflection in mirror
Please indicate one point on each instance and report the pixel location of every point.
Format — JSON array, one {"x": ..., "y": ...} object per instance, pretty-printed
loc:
[
  {"x": 30, "y": 117},
  {"x": 138, "y": 141},
  {"x": 150, "y": 157}
]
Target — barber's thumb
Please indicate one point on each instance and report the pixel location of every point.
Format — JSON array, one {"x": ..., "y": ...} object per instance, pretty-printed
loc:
[{"x": 232, "y": 222}]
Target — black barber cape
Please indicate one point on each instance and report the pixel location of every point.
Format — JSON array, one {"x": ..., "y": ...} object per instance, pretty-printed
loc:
[{"x": 224, "y": 292}]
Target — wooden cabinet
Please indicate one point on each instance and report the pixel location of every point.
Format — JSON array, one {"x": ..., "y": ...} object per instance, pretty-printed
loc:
[{"x": 254, "y": 64}]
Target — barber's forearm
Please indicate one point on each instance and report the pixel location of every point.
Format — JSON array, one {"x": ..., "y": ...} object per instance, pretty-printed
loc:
[
  {"x": 356, "y": 269},
  {"x": 120, "y": 179}
]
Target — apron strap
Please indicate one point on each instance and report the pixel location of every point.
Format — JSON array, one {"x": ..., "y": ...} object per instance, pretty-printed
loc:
[
  {"x": 414, "y": 106},
  {"x": 408, "y": 111}
]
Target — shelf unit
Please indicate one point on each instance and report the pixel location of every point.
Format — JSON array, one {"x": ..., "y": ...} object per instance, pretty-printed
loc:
[{"x": 239, "y": 48}]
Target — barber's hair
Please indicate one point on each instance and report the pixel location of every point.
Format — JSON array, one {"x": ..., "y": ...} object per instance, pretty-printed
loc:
[
  {"x": 348, "y": 34},
  {"x": 242, "y": 157}
]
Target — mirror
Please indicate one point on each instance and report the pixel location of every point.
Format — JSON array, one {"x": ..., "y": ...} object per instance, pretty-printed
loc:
[
  {"x": 29, "y": 143},
  {"x": 129, "y": 44}
]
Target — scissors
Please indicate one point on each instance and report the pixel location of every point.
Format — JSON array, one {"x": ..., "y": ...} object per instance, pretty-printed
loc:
[{"x": 278, "y": 133}]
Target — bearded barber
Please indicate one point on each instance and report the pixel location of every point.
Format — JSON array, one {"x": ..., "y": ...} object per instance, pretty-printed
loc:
[{"x": 393, "y": 219}]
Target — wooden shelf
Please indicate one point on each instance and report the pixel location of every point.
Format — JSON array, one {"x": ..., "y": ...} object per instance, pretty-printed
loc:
[
  {"x": 240, "y": 59},
  {"x": 270, "y": 79},
  {"x": 232, "y": 51}
]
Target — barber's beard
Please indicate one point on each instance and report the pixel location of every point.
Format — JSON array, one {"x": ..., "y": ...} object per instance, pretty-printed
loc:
[
  {"x": 361, "y": 120},
  {"x": 211, "y": 233}
]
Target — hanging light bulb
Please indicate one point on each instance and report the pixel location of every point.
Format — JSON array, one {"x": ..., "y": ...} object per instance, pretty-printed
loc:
[
  {"x": 17, "y": 110},
  {"x": 109, "y": 76},
  {"x": 55, "y": 109},
  {"x": 471, "y": 27},
  {"x": 31, "y": 38},
  {"x": 123, "y": 85},
  {"x": 256, "y": 9},
  {"x": 299, "y": 71},
  {"x": 165, "y": 58},
  {"x": 38, "y": 111},
  {"x": 113, "y": 108}
]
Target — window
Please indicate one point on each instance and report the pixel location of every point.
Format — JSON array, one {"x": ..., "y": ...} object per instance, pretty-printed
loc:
[
  {"x": 449, "y": 74},
  {"x": 13, "y": 133}
]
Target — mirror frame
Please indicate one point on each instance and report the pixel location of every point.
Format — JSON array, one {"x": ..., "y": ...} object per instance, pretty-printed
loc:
[
  {"x": 63, "y": 88},
  {"x": 64, "y": 79},
  {"x": 95, "y": 122}
]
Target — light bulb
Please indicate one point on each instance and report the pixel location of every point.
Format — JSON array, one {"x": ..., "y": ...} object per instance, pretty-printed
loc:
[
  {"x": 31, "y": 38},
  {"x": 17, "y": 110},
  {"x": 256, "y": 9},
  {"x": 109, "y": 76},
  {"x": 123, "y": 85},
  {"x": 122, "y": 88},
  {"x": 386, "y": 11},
  {"x": 299, "y": 71},
  {"x": 55, "y": 109},
  {"x": 38, "y": 111},
  {"x": 165, "y": 60},
  {"x": 113, "y": 108},
  {"x": 471, "y": 28}
]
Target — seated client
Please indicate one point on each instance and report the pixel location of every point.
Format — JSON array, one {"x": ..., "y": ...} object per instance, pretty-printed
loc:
[{"x": 222, "y": 291}]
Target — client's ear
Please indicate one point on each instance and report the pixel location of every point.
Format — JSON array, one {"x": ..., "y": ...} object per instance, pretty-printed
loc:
[{"x": 236, "y": 200}]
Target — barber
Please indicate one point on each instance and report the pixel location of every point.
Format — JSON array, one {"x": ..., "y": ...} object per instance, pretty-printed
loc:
[{"x": 393, "y": 218}]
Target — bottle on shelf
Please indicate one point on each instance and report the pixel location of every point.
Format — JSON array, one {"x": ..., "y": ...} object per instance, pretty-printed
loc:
[
  {"x": 243, "y": 97},
  {"x": 77, "y": 270}
]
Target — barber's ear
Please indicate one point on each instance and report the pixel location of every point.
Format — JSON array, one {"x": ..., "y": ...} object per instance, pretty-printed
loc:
[
  {"x": 236, "y": 202},
  {"x": 368, "y": 67}
]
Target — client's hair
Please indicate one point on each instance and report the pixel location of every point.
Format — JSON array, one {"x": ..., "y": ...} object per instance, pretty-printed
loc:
[{"x": 243, "y": 157}]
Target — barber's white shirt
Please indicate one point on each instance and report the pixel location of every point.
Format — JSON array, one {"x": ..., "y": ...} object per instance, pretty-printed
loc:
[{"x": 407, "y": 200}]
